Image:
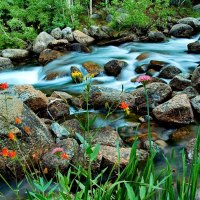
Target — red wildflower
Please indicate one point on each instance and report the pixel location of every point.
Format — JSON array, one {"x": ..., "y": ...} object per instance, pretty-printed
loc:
[
  {"x": 18, "y": 120},
  {"x": 12, "y": 154},
  {"x": 3, "y": 86},
  {"x": 123, "y": 105},
  {"x": 12, "y": 136},
  {"x": 64, "y": 156},
  {"x": 4, "y": 152}
]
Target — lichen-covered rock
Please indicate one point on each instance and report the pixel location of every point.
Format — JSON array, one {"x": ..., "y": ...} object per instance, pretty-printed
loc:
[
  {"x": 67, "y": 34},
  {"x": 196, "y": 103},
  {"x": 82, "y": 37},
  {"x": 196, "y": 79},
  {"x": 15, "y": 54},
  {"x": 114, "y": 67},
  {"x": 5, "y": 63},
  {"x": 41, "y": 42},
  {"x": 169, "y": 72},
  {"x": 56, "y": 33},
  {"x": 34, "y": 99},
  {"x": 176, "y": 111},
  {"x": 189, "y": 149},
  {"x": 190, "y": 91},
  {"x": 96, "y": 31},
  {"x": 182, "y": 31},
  {"x": 92, "y": 68},
  {"x": 59, "y": 131},
  {"x": 49, "y": 55}
]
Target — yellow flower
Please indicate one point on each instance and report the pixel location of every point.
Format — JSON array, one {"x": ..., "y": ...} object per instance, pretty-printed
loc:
[{"x": 76, "y": 74}]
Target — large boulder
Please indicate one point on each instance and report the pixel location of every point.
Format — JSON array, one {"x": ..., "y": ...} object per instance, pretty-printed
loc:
[
  {"x": 34, "y": 99},
  {"x": 67, "y": 34},
  {"x": 182, "y": 31},
  {"x": 157, "y": 93},
  {"x": 41, "y": 42},
  {"x": 32, "y": 135},
  {"x": 175, "y": 111},
  {"x": 82, "y": 37},
  {"x": 96, "y": 31},
  {"x": 49, "y": 55},
  {"x": 5, "y": 63},
  {"x": 196, "y": 79},
  {"x": 15, "y": 53},
  {"x": 194, "y": 47},
  {"x": 57, "y": 33},
  {"x": 114, "y": 67},
  {"x": 60, "y": 45},
  {"x": 193, "y": 22}
]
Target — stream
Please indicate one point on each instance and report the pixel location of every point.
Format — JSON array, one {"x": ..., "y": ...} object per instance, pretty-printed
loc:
[{"x": 174, "y": 52}]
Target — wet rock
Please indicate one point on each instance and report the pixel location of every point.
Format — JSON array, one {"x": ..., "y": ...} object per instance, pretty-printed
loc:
[
  {"x": 141, "y": 69},
  {"x": 61, "y": 95},
  {"x": 176, "y": 110},
  {"x": 169, "y": 72},
  {"x": 190, "y": 91},
  {"x": 196, "y": 79},
  {"x": 34, "y": 99},
  {"x": 151, "y": 72},
  {"x": 156, "y": 65},
  {"x": 181, "y": 134},
  {"x": 142, "y": 56},
  {"x": 193, "y": 22},
  {"x": 67, "y": 34},
  {"x": 110, "y": 156},
  {"x": 102, "y": 98},
  {"x": 96, "y": 31},
  {"x": 53, "y": 162},
  {"x": 41, "y": 42},
  {"x": 194, "y": 47},
  {"x": 180, "y": 82},
  {"x": 157, "y": 93},
  {"x": 15, "y": 54},
  {"x": 189, "y": 149},
  {"x": 52, "y": 76},
  {"x": 181, "y": 31},
  {"x": 114, "y": 67},
  {"x": 32, "y": 135},
  {"x": 161, "y": 143},
  {"x": 5, "y": 63},
  {"x": 80, "y": 48},
  {"x": 82, "y": 38},
  {"x": 60, "y": 45},
  {"x": 92, "y": 68},
  {"x": 156, "y": 36},
  {"x": 196, "y": 103},
  {"x": 49, "y": 55},
  {"x": 59, "y": 131},
  {"x": 57, "y": 33},
  {"x": 76, "y": 75}
]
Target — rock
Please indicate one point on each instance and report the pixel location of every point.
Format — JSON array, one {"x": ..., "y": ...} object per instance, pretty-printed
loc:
[
  {"x": 82, "y": 38},
  {"x": 109, "y": 18},
  {"x": 196, "y": 79},
  {"x": 161, "y": 143},
  {"x": 183, "y": 133},
  {"x": 114, "y": 67},
  {"x": 194, "y": 47},
  {"x": 180, "y": 82},
  {"x": 85, "y": 30},
  {"x": 67, "y": 34},
  {"x": 53, "y": 162},
  {"x": 196, "y": 103},
  {"x": 176, "y": 111},
  {"x": 32, "y": 135},
  {"x": 189, "y": 149},
  {"x": 34, "y": 99},
  {"x": 95, "y": 16},
  {"x": 61, "y": 95},
  {"x": 60, "y": 45},
  {"x": 15, "y": 54},
  {"x": 80, "y": 48},
  {"x": 156, "y": 36},
  {"x": 190, "y": 91},
  {"x": 169, "y": 72},
  {"x": 181, "y": 31},
  {"x": 157, "y": 93},
  {"x": 142, "y": 56},
  {"x": 197, "y": 7},
  {"x": 41, "y": 42},
  {"x": 156, "y": 65},
  {"x": 5, "y": 63},
  {"x": 96, "y": 31},
  {"x": 92, "y": 68},
  {"x": 102, "y": 98},
  {"x": 110, "y": 156},
  {"x": 57, "y": 33},
  {"x": 59, "y": 131},
  {"x": 193, "y": 22},
  {"x": 53, "y": 75},
  {"x": 49, "y": 55},
  {"x": 76, "y": 74},
  {"x": 141, "y": 69}
]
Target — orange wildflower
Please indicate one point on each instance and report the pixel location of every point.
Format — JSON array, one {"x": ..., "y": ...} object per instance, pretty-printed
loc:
[
  {"x": 45, "y": 171},
  {"x": 4, "y": 152},
  {"x": 18, "y": 120},
  {"x": 12, "y": 136},
  {"x": 35, "y": 156},
  {"x": 3, "y": 86},
  {"x": 27, "y": 130},
  {"x": 64, "y": 156},
  {"x": 12, "y": 154},
  {"x": 123, "y": 105}
]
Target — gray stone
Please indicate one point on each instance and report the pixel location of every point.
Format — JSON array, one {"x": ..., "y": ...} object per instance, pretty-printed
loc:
[
  {"x": 193, "y": 22},
  {"x": 41, "y": 42},
  {"x": 57, "y": 33},
  {"x": 182, "y": 30},
  {"x": 196, "y": 103},
  {"x": 169, "y": 72},
  {"x": 196, "y": 79},
  {"x": 59, "y": 131},
  {"x": 67, "y": 34},
  {"x": 82, "y": 38},
  {"x": 109, "y": 18},
  {"x": 190, "y": 91},
  {"x": 5, "y": 63},
  {"x": 96, "y": 31},
  {"x": 60, "y": 45},
  {"x": 15, "y": 53},
  {"x": 189, "y": 149},
  {"x": 156, "y": 36},
  {"x": 197, "y": 7},
  {"x": 176, "y": 110},
  {"x": 194, "y": 47}
]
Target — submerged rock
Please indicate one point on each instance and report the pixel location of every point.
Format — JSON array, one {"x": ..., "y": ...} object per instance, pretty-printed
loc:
[
  {"x": 176, "y": 111},
  {"x": 189, "y": 149}
]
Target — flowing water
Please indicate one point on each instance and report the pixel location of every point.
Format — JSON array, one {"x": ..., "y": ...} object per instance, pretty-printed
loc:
[{"x": 174, "y": 52}]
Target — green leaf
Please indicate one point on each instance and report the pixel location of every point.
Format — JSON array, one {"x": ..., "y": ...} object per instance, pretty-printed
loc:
[
  {"x": 95, "y": 152},
  {"x": 131, "y": 194}
]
